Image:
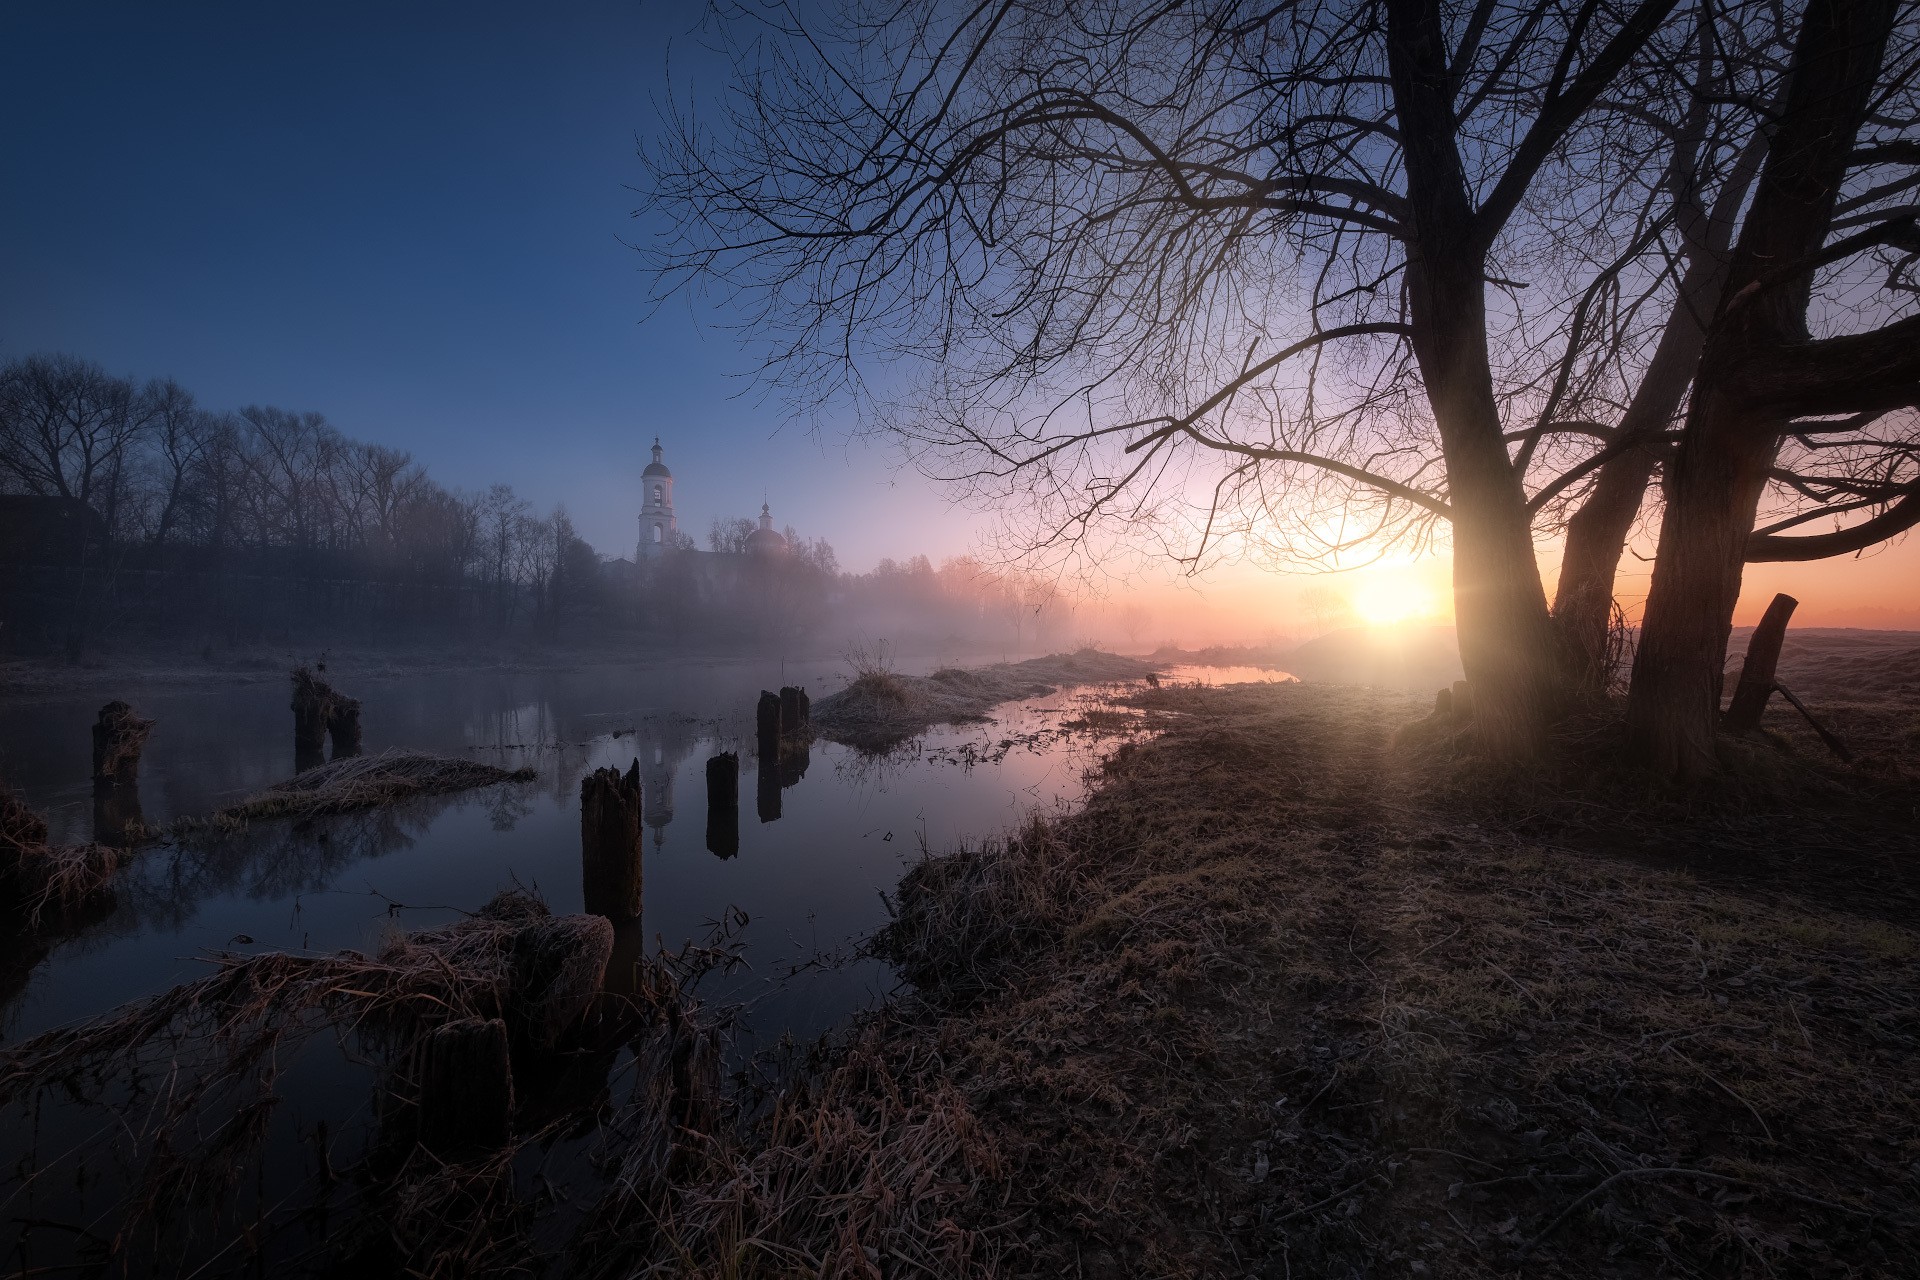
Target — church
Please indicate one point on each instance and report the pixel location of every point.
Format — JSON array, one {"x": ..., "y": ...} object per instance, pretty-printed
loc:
[{"x": 658, "y": 525}]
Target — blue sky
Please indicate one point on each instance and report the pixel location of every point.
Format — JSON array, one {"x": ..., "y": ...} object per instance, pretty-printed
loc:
[{"x": 409, "y": 217}]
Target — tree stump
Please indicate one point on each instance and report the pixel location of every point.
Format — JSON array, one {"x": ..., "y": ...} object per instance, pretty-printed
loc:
[
  {"x": 795, "y": 755},
  {"x": 1757, "y": 672},
  {"x": 118, "y": 736},
  {"x": 118, "y": 821},
  {"x": 796, "y": 710},
  {"x": 1462, "y": 698},
  {"x": 466, "y": 1086},
  {"x": 313, "y": 701},
  {"x": 723, "y": 804},
  {"x": 558, "y": 967},
  {"x": 767, "y": 719},
  {"x": 1443, "y": 703},
  {"x": 611, "y": 871}
]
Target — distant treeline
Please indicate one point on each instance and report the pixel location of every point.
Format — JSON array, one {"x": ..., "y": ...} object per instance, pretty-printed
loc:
[
  {"x": 130, "y": 514},
  {"x": 118, "y": 492}
]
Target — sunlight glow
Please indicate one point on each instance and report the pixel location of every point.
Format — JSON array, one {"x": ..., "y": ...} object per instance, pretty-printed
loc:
[{"x": 1388, "y": 601}]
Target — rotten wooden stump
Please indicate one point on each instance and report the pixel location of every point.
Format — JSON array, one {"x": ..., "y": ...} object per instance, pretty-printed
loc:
[
  {"x": 466, "y": 1086},
  {"x": 1757, "y": 672},
  {"x": 319, "y": 711},
  {"x": 1462, "y": 698},
  {"x": 1443, "y": 702},
  {"x": 118, "y": 736},
  {"x": 767, "y": 720},
  {"x": 796, "y": 710},
  {"x": 723, "y": 804},
  {"x": 611, "y": 871},
  {"x": 559, "y": 966}
]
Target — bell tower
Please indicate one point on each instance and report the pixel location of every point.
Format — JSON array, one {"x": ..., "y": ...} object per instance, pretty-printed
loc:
[{"x": 656, "y": 507}]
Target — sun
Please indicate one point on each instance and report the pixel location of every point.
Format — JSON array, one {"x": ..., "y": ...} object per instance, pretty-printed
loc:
[{"x": 1382, "y": 604}]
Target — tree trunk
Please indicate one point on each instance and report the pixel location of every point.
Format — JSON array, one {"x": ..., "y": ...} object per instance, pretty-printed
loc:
[
  {"x": 1713, "y": 491},
  {"x": 1597, "y": 534},
  {"x": 1734, "y": 425},
  {"x": 1507, "y": 642}
]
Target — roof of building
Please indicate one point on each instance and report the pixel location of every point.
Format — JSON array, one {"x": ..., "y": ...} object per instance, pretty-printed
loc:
[
  {"x": 657, "y": 467},
  {"x": 766, "y": 538}
]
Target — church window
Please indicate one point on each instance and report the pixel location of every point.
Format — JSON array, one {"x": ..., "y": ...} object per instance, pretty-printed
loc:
[
  {"x": 656, "y": 533},
  {"x": 656, "y": 493}
]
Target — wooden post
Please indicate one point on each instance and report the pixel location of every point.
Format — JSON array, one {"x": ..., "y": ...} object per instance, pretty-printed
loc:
[
  {"x": 767, "y": 718},
  {"x": 1443, "y": 703},
  {"x": 796, "y": 710},
  {"x": 1756, "y": 673},
  {"x": 558, "y": 966},
  {"x": 466, "y": 1086},
  {"x": 610, "y": 867},
  {"x": 118, "y": 736},
  {"x": 723, "y": 804},
  {"x": 118, "y": 822},
  {"x": 312, "y": 702},
  {"x": 795, "y": 755}
]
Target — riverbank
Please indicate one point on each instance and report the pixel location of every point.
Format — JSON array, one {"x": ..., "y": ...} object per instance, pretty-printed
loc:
[{"x": 1301, "y": 990}]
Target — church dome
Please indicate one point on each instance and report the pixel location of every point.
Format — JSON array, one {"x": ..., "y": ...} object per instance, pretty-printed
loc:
[
  {"x": 766, "y": 540},
  {"x": 657, "y": 467}
]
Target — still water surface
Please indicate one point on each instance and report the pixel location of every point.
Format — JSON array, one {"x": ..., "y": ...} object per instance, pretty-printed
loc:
[{"x": 809, "y": 882}]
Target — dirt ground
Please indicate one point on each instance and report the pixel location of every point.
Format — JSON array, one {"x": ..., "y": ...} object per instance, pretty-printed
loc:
[{"x": 1304, "y": 991}]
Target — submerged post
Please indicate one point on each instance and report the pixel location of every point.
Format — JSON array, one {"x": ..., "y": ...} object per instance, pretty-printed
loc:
[
  {"x": 466, "y": 1086},
  {"x": 1757, "y": 672},
  {"x": 610, "y": 868},
  {"x": 766, "y": 789},
  {"x": 796, "y": 710},
  {"x": 767, "y": 718},
  {"x": 723, "y": 804},
  {"x": 118, "y": 737},
  {"x": 312, "y": 708}
]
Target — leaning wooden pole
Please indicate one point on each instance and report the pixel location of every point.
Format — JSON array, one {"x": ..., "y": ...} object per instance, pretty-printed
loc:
[
  {"x": 1757, "y": 673},
  {"x": 610, "y": 869}
]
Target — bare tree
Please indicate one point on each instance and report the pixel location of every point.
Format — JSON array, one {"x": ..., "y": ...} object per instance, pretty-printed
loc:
[
  {"x": 1199, "y": 271},
  {"x": 1833, "y": 208},
  {"x": 67, "y": 430}
]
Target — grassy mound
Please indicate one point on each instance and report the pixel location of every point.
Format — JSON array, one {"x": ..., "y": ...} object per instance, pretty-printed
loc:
[
  {"x": 367, "y": 782},
  {"x": 882, "y": 708}
]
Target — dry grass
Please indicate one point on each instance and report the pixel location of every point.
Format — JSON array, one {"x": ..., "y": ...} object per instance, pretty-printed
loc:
[
  {"x": 45, "y": 883},
  {"x": 682, "y": 1176},
  {"x": 882, "y": 708},
  {"x": 1289, "y": 995},
  {"x": 367, "y": 782}
]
